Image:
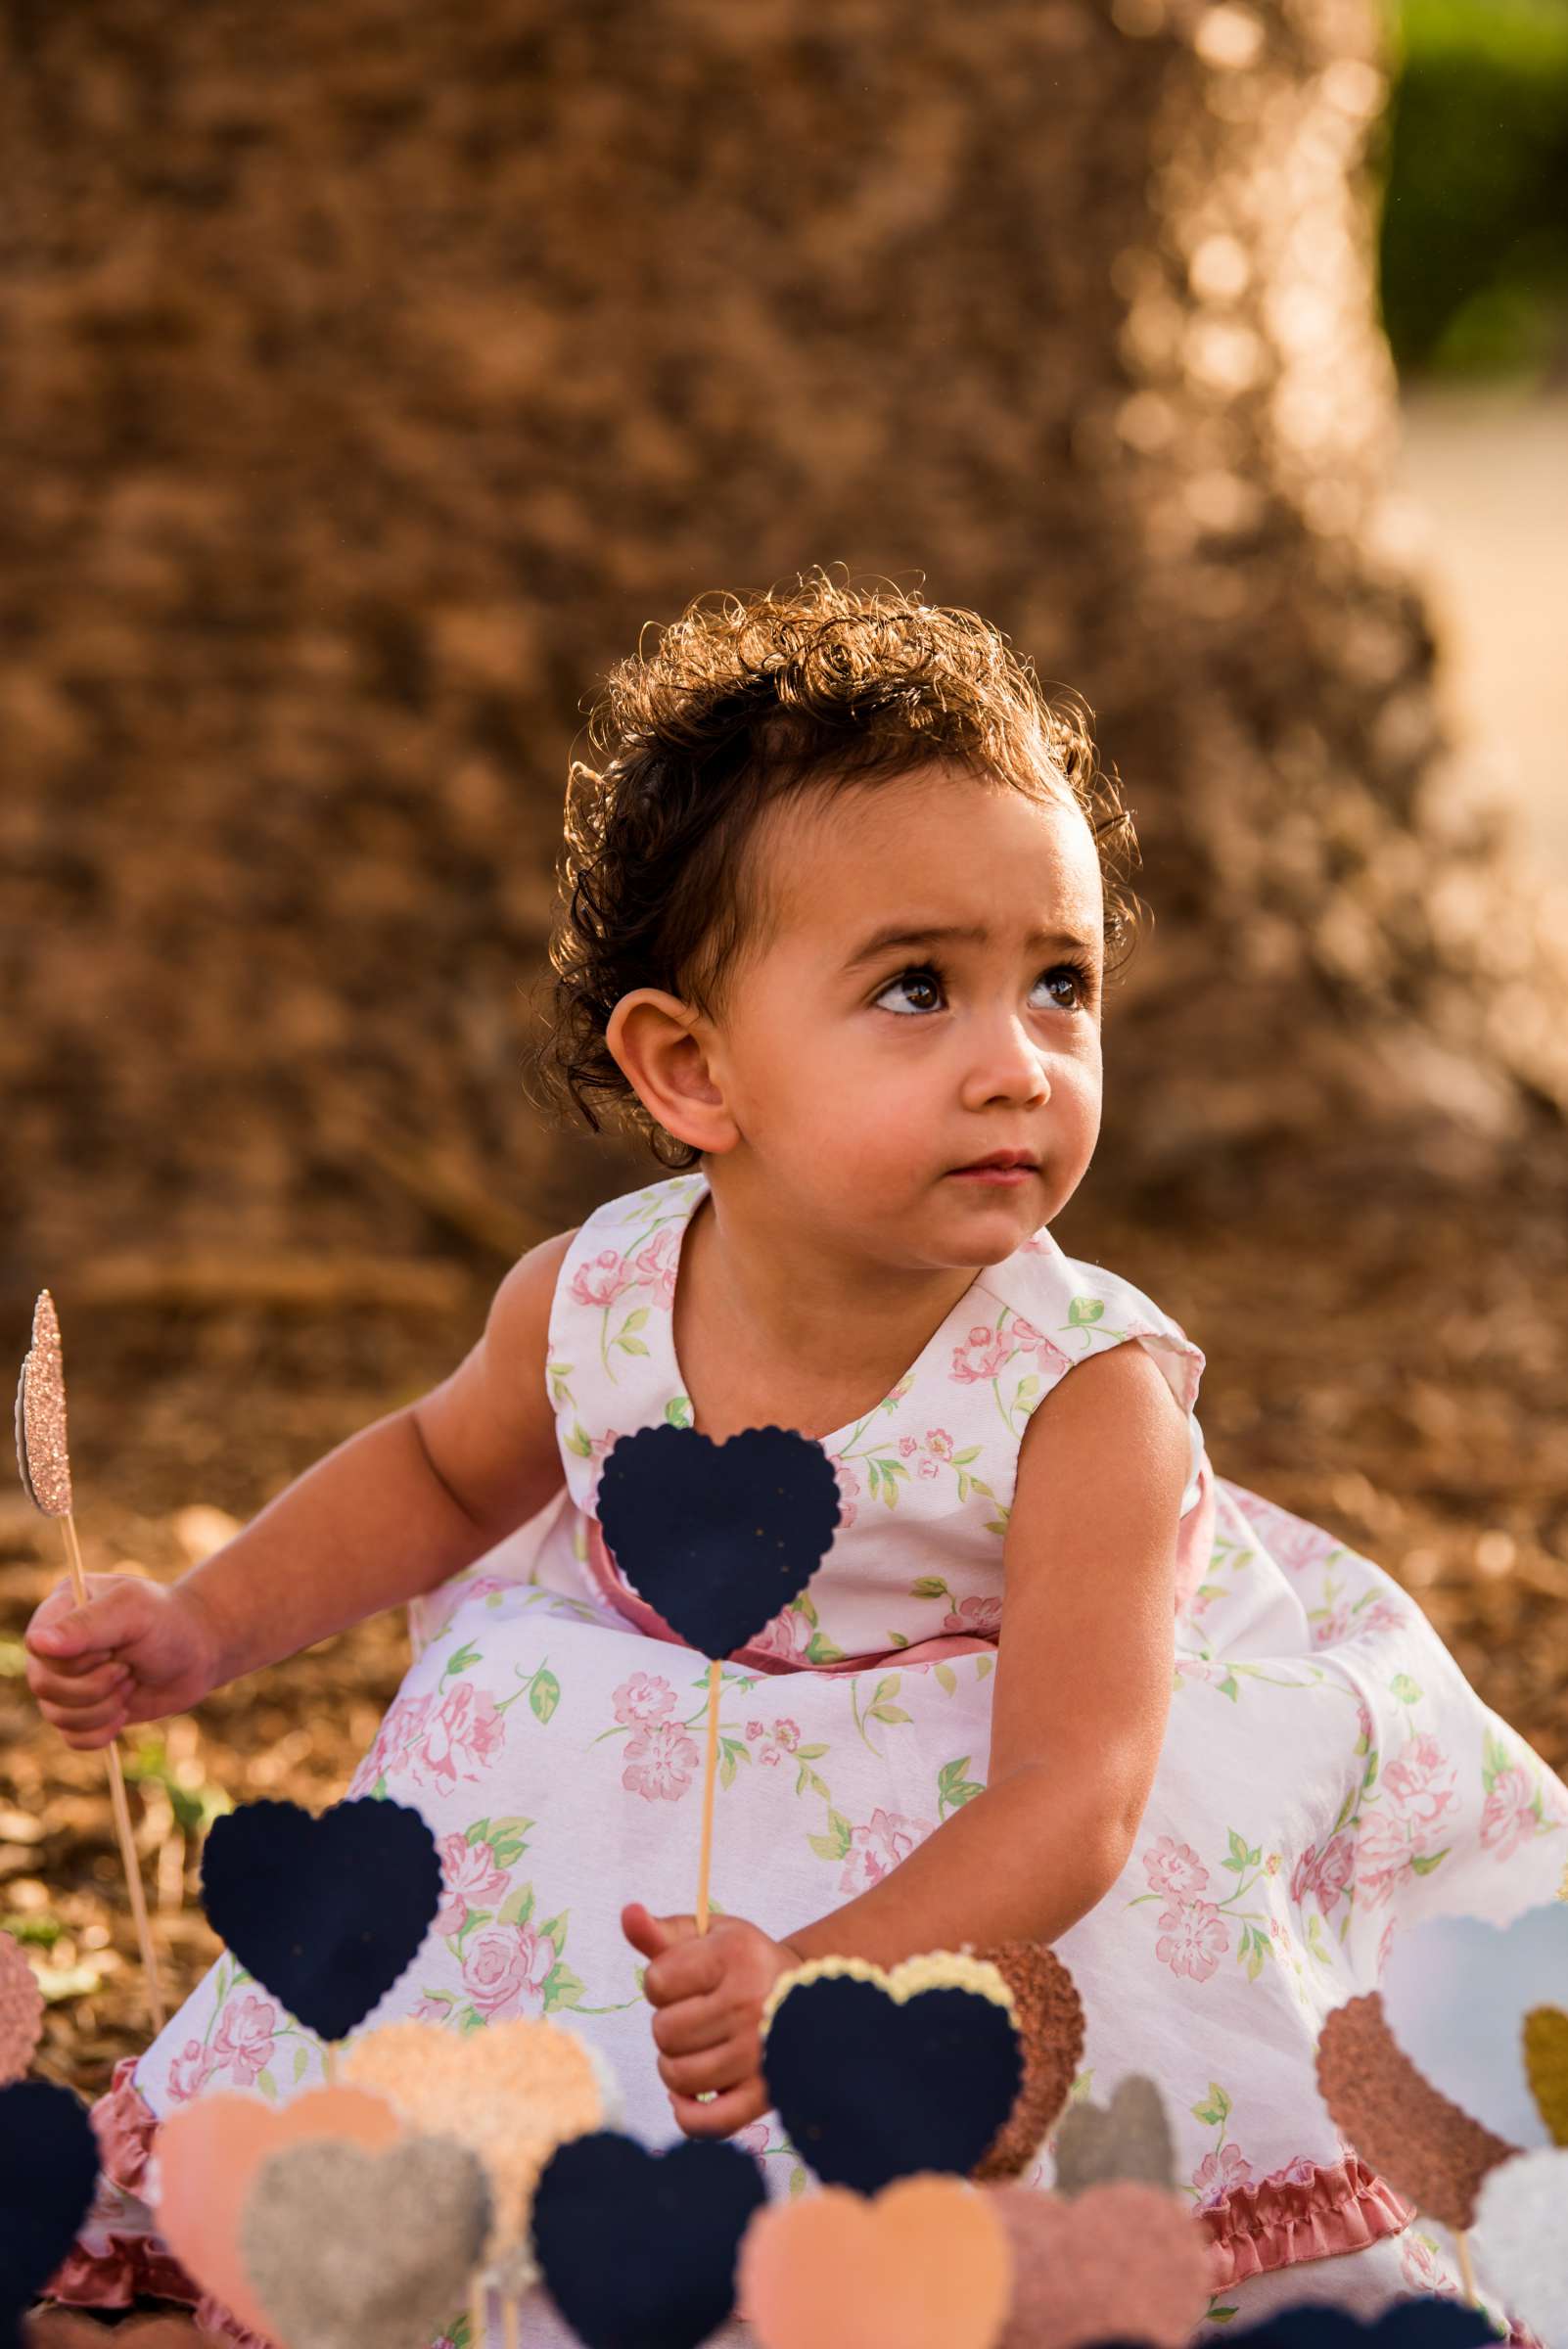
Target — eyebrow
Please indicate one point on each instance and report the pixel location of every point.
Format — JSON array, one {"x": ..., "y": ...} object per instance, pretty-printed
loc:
[{"x": 898, "y": 935}]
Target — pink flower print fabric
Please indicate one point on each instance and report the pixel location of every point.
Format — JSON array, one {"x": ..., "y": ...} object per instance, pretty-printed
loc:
[
  {"x": 470, "y": 1879},
  {"x": 506, "y": 1970},
  {"x": 1328, "y": 1776},
  {"x": 877, "y": 1848},
  {"x": 660, "y": 1761}
]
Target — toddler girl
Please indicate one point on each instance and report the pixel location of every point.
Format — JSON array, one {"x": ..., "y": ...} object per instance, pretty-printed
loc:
[{"x": 842, "y": 899}]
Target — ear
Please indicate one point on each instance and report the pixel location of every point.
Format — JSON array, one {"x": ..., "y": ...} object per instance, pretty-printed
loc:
[{"x": 664, "y": 1051}]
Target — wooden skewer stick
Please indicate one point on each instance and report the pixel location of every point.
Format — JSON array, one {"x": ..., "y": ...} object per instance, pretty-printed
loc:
[
  {"x": 510, "y": 2319},
  {"x": 478, "y": 2308},
  {"x": 1461, "y": 2245},
  {"x": 122, "y": 1811},
  {"x": 44, "y": 1456},
  {"x": 704, "y": 1863}
]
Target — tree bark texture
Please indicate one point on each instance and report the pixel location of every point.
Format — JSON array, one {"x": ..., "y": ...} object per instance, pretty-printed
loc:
[{"x": 374, "y": 372}]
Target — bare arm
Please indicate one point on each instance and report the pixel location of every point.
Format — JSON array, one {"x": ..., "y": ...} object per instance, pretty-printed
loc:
[
  {"x": 392, "y": 1513},
  {"x": 1082, "y": 1695},
  {"x": 1084, "y": 1676}
]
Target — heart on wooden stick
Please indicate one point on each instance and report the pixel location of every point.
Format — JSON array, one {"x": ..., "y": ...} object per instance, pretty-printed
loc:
[
  {"x": 1426, "y": 2324},
  {"x": 925, "y": 2264},
  {"x": 44, "y": 1456},
  {"x": 327, "y": 1913},
  {"x": 877, "y": 2075},
  {"x": 1424, "y": 2146},
  {"x": 511, "y": 2093},
  {"x": 717, "y": 1537},
  {"x": 20, "y": 2011},
  {"x": 1456, "y": 1991},
  {"x": 348, "y": 2250},
  {"x": 1522, "y": 2241},
  {"x": 48, "y": 2173},
  {"x": 1545, "y": 2063},
  {"x": 1049, "y": 2014},
  {"x": 207, "y": 2155},
  {"x": 638, "y": 2248},
  {"x": 43, "y": 1450},
  {"x": 1119, "y": 2263},
  {"x": 1129, "y": 2138}
]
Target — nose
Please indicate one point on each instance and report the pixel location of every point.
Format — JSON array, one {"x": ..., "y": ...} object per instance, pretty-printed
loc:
[{"x": 1007, "y": 1064}]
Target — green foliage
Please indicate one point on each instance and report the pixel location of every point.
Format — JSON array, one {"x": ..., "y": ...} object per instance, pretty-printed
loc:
[{"x": 1474, "y": 237}]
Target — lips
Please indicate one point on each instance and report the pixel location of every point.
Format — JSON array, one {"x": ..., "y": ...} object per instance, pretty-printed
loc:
[{"x": 1003, "y": 1162}]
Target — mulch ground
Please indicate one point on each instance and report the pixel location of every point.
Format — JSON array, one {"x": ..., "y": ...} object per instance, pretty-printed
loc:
[{"x": 1391, "y": 1368}]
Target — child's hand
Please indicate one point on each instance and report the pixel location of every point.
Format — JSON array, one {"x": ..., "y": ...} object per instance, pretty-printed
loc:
[
  {"x": 134, "y": 1652},
  {"x": 708, "y": 1991}
]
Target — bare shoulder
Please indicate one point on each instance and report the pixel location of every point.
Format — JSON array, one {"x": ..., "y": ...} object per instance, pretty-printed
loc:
[
  {"x": 1118, "y": 1392},
  {"x": 521, "y": 1308},
  {"x": 1089, "y": 1564},
  {"x": 489, "y": 1428},
  {"x": 1109, "y": 1445}
]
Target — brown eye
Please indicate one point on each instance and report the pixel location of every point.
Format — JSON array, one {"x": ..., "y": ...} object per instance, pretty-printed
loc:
[
  {"x": 927, "y": 975},
  {"x": 1077, "y": 975},
  {"x": 918, "y": 975}
]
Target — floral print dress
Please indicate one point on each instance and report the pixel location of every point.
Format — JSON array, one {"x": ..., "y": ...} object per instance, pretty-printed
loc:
[{"x": 1328, "y": 1773}]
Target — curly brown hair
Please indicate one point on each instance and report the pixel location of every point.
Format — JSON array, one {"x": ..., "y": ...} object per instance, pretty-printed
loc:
[{"x": 741, "y": 704}]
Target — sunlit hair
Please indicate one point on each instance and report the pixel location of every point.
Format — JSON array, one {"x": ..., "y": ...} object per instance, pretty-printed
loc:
[{"x": 740, "y": 705}]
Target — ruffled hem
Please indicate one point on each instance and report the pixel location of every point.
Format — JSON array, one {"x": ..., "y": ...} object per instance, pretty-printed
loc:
[
  {"x": 117, "y": 2259},
  {"x": 1276, "y": 2222},
  {"x": 1280, "y": 2222},
  {"x": 126, "y": 2126}
]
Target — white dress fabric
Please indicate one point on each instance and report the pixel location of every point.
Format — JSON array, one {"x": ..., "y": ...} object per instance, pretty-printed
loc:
[{"x": 1328, "y": 1773}]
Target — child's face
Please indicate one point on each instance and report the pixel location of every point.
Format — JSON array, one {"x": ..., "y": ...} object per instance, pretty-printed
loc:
[{"x": 851, "y": 1088}]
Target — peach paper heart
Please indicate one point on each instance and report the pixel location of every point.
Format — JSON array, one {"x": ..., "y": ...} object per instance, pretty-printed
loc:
[
  {"x": 511, "y": 2094},
  {"x": 208, "y": 2154},
  {"x": 923, "y": 2265},
  {"x": 1122, "y": 2262}
]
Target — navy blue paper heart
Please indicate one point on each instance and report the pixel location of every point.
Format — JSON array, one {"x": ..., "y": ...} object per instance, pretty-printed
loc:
[
  {"x": 327, "y": 1913},
  {"x": 717, "y": 1537},
  {"x": 639, "y": 2249},
  {"x": 1427, "y": 2323},
  {"x": 48, "y": 2171},
  {"x": 871, "y": 2087}
]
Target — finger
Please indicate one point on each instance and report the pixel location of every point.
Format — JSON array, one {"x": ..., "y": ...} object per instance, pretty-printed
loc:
[
  {"x": 654, "y": 1934},
  {"x": 645, "y": 1931},
  {"x": 90, "y": 1741},
  {"x": 69, "y": 1668},
  {"x": 61, "y": 1601},
  {"x": 693, "y": 2024},
  {"x": 104, "y": 1624},
  {"x": 727, "y": 2066},
  {"x": 726, "y": 2113},
  {"x": 85, "y": 1687},
  {"x": 75, "y": 1718},
  {"x": 689, "y": 1970}
]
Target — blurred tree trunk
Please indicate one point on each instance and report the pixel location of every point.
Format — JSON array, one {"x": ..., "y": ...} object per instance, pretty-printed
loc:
[{"x": 375, "y": 372}]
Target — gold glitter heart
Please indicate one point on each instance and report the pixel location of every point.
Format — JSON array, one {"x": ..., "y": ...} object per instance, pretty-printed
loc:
[
  {"x": 1545, "y": 2061},
  {"x": 43, "y": 1454}
]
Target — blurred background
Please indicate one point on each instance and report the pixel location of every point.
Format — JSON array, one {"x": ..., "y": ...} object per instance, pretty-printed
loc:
[{"x": 376, "y": 373}]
